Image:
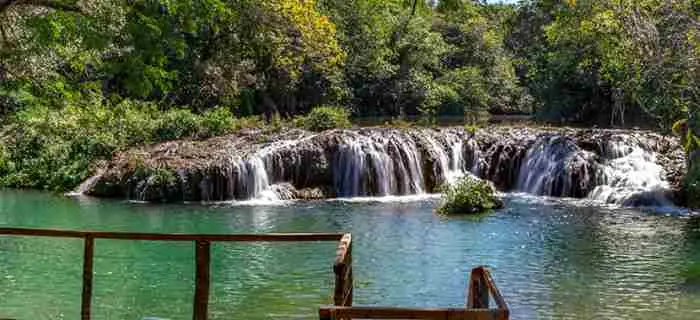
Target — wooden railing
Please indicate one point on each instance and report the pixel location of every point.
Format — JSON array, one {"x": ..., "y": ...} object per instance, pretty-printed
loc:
[
  {"x": 342, "y": 269},
  {"x": 481, "y": 289},
  {"x": 342, "y": 266}
]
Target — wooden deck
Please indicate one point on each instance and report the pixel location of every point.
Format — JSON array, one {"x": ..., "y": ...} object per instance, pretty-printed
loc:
[{"x": 481, "y": 286}]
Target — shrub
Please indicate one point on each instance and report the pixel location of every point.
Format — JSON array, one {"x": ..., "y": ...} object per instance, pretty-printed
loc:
[
  {"x": 52, "y": 148},
  {"x": 216, "y": 122},
  {"x": 4, "y": 160},
  {"x": 325, "y": 118},
  {"x": 176, "y": 123},
  {"x": 691, "y": 186},
  {"x": 469, "y": 195},
  {"x": 249, "y": 122}
]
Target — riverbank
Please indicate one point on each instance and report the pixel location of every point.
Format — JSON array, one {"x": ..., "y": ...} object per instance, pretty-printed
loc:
[{"x": 626, "y": 167}]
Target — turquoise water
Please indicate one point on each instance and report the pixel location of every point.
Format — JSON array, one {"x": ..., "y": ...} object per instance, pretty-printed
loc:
[{"x": 552, "y": 259}]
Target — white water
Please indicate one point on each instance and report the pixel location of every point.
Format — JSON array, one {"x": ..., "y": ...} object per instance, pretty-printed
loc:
[
  {"x": 86, "y": 185},
  {"x": 627, "y": 175},
  {"x": 548, "y": 167},
  {"x": 632, "y": 172},
  {"x": 391, "y": 165},
  {"x": 378, "y": 166},
  {"x": 361, "y": 164}
]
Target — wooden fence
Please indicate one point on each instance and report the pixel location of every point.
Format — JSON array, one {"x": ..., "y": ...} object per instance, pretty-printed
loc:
[
  {"x": 480, "y": 292},
  {"x": 481, "y": 289},
  {"x": 342, "y": 266}
]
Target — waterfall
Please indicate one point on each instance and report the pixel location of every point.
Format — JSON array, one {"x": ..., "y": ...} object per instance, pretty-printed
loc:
[
  {"x": 86, "y": 185},
  {"x": 605, "y": 165},
  {"x": 556, "y": 166},
  {"x": 445, "y": 174},
  {"x": 631, "y": 176},
  {"x": 622, "y": 173},
  {"x": 473, "y": 157},
  {"x": 253, "y": 176},
  {"x": 361, "y": 168},
  {"x": 378, "y": 165}
]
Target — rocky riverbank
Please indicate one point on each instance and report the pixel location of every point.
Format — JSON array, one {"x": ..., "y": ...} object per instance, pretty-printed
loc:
[{"x": 625, "y": 167}]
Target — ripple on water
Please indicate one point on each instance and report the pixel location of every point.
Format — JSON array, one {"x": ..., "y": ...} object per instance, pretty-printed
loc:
[{"x": 552, "y": 258}]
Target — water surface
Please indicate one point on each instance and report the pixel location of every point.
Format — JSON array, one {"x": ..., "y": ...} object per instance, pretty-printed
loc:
[{"x": 552, "y": 259}]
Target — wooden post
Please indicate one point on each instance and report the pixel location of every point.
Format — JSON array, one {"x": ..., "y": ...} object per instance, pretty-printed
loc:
[
  {"x": 88, "y": 253},
  {"x": 478, "y": 290},
  {"x": 201, "y": 291},
  {"x": 325, "y": 314},
  {"x": 343, "y": 273},
  {"x": 351, "y": 281}
]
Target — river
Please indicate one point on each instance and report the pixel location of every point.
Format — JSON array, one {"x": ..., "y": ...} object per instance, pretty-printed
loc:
[{"x": 552, "y": 258}]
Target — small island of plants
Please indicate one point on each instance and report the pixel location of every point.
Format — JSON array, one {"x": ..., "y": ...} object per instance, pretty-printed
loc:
[{"x": 469, "y": 195}]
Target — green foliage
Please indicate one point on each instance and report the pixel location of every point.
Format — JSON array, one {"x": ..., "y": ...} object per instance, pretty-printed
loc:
[
  {"x": 691, "y": 186},
  {"x": 53, "y": 149},
  {"x": 469, "y": 195},
  {"x": 325, "y": 118},
  {"x": 81, "y": 79},
  {"x": 607, "y": 61},
  {"x": 4, "y": 160}
]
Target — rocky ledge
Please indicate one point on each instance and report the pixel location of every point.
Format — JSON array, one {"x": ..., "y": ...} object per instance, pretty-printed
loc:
[{"x": 297, "y": 164}]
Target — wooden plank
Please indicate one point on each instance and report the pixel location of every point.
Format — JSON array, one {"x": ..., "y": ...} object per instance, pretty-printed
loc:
[
  {"x": 88, "y": 254},
  {"x": 336, "y": 312},
  {"x": 202, "y": 280},
  {"x": 497, "y": 296},
  {"x": 478, "y": 297},
  {"x": 268, "y": 237}
]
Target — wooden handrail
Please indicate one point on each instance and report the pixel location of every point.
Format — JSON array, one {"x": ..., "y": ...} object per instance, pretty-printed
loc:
[
  {"x": 481, "y": 287},
  {"x": 342, "y": 266},
  {"x": 266, "y": 237}
]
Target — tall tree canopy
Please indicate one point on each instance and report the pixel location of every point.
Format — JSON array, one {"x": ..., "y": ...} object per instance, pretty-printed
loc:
[{"x": 605, "y": 62}]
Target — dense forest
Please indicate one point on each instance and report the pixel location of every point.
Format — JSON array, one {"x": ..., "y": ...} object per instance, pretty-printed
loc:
[{"x": 81, "y": 79}]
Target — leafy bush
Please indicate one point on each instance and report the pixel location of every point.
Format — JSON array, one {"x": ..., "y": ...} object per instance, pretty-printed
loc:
[
  {"x": 691, "y": 186},
  {"x": 176, "y": 123},
  {"x": 4, "y": 160},
  {"x": 325, "y": 118},
  {"x": 53, "y": 148},
  {"x": 469, "y": 195}
]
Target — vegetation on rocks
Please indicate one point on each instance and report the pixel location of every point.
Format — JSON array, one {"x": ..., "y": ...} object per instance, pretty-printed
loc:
[
  {"x": 686, "y": 130},
  {"x": 325, "y": 118},
  {"x": 469, "y": 195},
  {"x": 53, "y": 149},
  {"x": 691, "y": 186}
]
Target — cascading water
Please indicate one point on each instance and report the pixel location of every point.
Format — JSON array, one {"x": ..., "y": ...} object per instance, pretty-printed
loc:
[
  {"x": 629, "y": 176},
  {"x": 450, "y": 161},
  {"x": 378, "y": 165},
  {"x": 471, "y": 156},
  {"x": 360, "y": 168},
  {"x": 253, "y": 176},
  {"x": 622, "y": 173},
  {"x": 610, "y": 166},
  {"x": 556, "y": 166}
]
